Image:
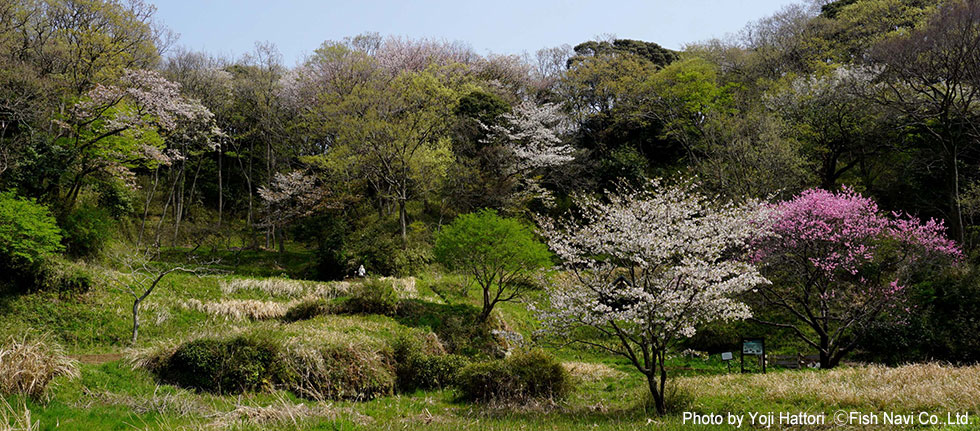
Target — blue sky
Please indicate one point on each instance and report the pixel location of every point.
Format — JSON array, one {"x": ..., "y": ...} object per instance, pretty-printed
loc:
[{"x": 297, "y": 27}]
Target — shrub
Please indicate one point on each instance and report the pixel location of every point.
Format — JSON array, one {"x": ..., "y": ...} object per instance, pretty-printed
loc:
[
  {"x": 28, "y": 233},
  {"x": 309, "y": 309},
  {"x": 226, "y": 366},
  {"x": 485, "y": 381},
  {"x": 317, "y": 370},
  {"x": 86, "y": 230},
  {"x": 372, "y": 245},
  {"x": 116, "y": 197},
  {"x": 374, "y": 296},
  {"x": 28, "y": 366},
  {"x": 422, "y": 363},
  {"x": 333, "y": 372},
  {"x": 430, "y": 371},
  {"x": 382, "y": 253},
  {"x": 521, "y": 377}
]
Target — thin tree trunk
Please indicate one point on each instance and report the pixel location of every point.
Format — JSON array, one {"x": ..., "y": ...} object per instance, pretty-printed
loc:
[
  {"x": 282, "y": 241},
  {"x": 403, "y": 219},
  {"x": 179, "y": 203},
  {"x": 136, "y": 320},
  {"x": 221, "y": 194},
  {"x": 146, "y": 207},
  {"x": 163, "y": 214}
]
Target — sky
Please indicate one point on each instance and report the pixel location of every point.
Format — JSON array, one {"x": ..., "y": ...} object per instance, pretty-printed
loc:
[{"x": 297, "y": 27}]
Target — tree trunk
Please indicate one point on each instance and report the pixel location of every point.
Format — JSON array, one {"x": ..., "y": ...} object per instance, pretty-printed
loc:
[
  {"x": 487, "y": 306},
  {"x": 829, "y": 359},
  {"x": 281, "y": 237},
  {"x": 403, "y": 219},
  {"x": 146, "y": 207},
  {"x": 655, "y": 391},
  {"x": 136, "y": 320},
  {"x": 220, "y": 187}
]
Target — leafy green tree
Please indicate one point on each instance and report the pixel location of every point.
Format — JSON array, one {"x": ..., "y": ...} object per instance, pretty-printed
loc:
[
  {"x": 606, "y": 98},
  {"x": 394, "y": 131},
  {"x": 653, "y": 52},
  {"x": 931, "y": 77},
  {"x": 499, "y": 253},
  {"x": 28, "y": 232}
]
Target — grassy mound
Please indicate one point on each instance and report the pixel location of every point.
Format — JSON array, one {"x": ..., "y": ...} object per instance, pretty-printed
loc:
[
  {"x": 327, "y": 358},
  {"x": 340, "y": 371},
  {"x": 233, "y": 365},
  {"x": 521, "y": 377}
]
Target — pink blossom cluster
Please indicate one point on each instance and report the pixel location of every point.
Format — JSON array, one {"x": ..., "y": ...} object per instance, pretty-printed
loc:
[{"x": 839, "y": 232}]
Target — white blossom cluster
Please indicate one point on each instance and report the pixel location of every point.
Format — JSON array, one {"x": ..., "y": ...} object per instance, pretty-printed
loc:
[
  {"x": 291, "y": 195},
  {"x": 143, "y": 102},
  {"x": 646, "y": 267},
  {"x": 533, "y": 133},
  {"x": 840, "y": 86},
  {"x": 154, "y": 101}
]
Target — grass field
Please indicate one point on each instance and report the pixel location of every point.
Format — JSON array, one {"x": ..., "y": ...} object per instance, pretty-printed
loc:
[{"x": 111, "y": 393}]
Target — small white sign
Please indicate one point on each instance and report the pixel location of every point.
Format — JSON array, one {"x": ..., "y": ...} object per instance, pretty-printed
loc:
[{"x": 726, "y": 356}]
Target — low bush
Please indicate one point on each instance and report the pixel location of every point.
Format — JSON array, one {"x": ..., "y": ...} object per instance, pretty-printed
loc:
[
  {"x": 374, "y": 296},
  {"x": 309, "y": 309},
  {"x": 422, "y": 363},
  {"x": 28, "y": 234},
  {"x": 430, "y": 371},
  {"x": 521, "y": 377},
  {"x": 221, "y": 366},
  {"x": 312, "y": 368},
  {"x": 340, "y": 371},
  {"x": 28, "y": 366}
]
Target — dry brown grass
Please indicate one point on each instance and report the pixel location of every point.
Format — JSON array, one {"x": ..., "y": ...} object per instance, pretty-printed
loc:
[
  {"x": 592, "y": 372},
  {"x": 240, "y": 309},
  {"x": 284, "y": 287},
  {"x": 27, "y": 366},
  {"x": 906, "y": 388},
  {"x": 12, "y": 419}
]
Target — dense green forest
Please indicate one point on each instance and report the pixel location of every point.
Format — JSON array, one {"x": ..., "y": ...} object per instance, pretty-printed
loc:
[{"x": 124, "y": 155}]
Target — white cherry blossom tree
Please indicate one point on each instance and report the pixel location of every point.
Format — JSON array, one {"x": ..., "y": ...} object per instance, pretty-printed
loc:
[
  {"x": 644, "y": 268},
  {"x": 532, "y": 132}
]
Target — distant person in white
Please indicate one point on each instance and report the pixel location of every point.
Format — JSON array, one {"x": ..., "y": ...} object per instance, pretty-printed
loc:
[{"x": 361, "y": 272}]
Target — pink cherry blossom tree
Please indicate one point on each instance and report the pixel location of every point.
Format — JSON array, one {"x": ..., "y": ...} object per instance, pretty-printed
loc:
[
  {"x": 837, "y": 262},
  {"x": 643, "y": 269}
]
